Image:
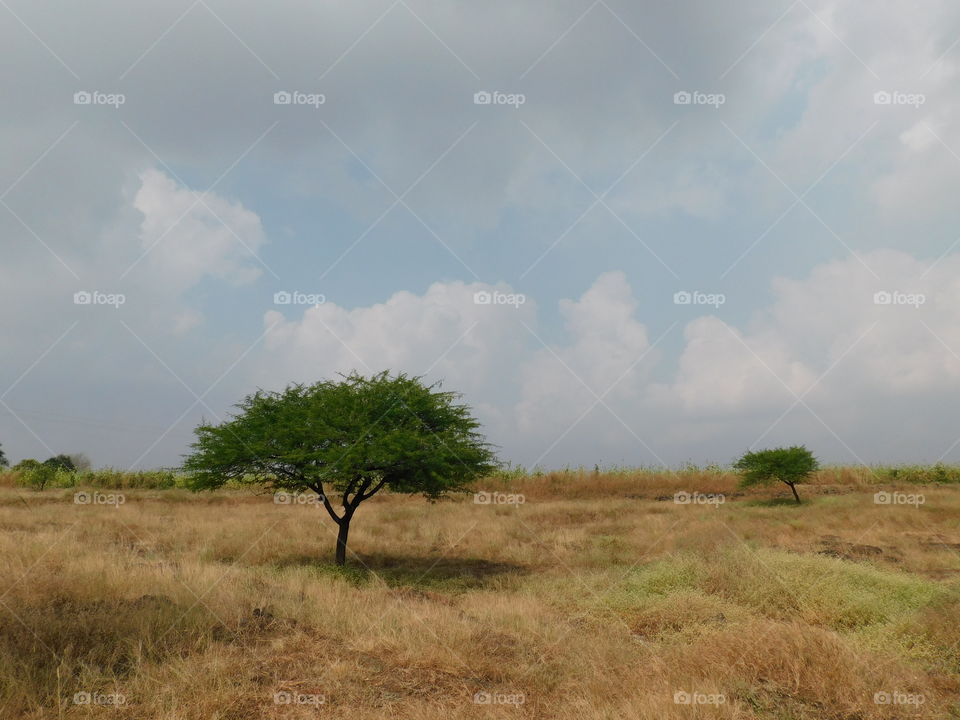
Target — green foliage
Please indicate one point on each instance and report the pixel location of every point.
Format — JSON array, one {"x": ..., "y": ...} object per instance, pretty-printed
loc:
[
  {"x": 58, "y": 471},
  {"x": 353, "y": 437},
  {"x": 32, "y": 473},
  {"x": 360, "y": 432},
  {"x": 3, "y": 458},
  {"x": 36, "y": 474},
  {"x": 128, "y": 479},
  {"x": 60, "y": 462},
  {"x": 921, "y": 474},
  {"x": 790, "y": 465},
  {"x": 508, "y": 473}
]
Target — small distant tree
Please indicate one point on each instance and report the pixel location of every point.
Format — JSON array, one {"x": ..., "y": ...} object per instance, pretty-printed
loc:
[
  {"x": 790, "y": 466},
  {"x": 36, "y": 474},
  {"x": 61, "y": 462},
  {"x": 353, "y": 438},
  {"x": 3, "y": 458}
]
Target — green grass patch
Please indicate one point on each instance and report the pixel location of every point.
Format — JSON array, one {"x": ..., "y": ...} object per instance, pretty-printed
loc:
[{"x": 844, "y": 596}]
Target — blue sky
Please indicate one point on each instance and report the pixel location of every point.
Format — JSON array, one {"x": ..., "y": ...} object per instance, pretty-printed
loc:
[{"x": 787, "y": 188}]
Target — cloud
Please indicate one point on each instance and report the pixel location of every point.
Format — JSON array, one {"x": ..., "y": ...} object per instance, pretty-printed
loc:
[
  {"x": 605, "y": 350},
  {"x": 185, "y": 235},
  {"x": 108, "y": 363},
  {"x": 92, "y": 192},
  {"x": 855, "y": 348},
  {"x": 825, "y": 338}
]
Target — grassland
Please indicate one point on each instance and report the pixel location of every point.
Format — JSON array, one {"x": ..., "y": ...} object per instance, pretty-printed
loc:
[{"x": 596, "y": 597}]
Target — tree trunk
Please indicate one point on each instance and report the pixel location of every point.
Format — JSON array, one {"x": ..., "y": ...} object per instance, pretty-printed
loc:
[
  {"x": 794, "y": 489},
  {"x": 342, "y": 540}
]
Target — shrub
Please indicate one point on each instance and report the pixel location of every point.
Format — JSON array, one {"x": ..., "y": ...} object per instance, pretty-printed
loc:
[{"x": 36, "y": 474}]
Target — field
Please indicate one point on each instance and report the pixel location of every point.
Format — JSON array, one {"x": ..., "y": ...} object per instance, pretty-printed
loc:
[{"x": 597, "y": 596}]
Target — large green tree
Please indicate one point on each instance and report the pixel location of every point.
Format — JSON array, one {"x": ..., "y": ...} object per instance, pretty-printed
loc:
[
  {"x": 352, "y": 438},
  {"x": 789, "y": 465}
]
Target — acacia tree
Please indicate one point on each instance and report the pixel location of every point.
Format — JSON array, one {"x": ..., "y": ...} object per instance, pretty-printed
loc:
[
  {"x": 353, "y": 437},
  {"x": 790, "y": 466}
]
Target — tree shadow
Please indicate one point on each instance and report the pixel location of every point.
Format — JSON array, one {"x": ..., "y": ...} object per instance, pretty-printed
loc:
[
  {"x": 397, "y": 571},
  {"x": 787, "y": 501},
  {"x": 467, "y": 572}
]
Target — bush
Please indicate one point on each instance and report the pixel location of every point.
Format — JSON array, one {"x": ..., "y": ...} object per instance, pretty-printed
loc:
[
  {"x": 113, "y": 479},
  {"x": 922, "y": 474},
  {"x": 36, "y": 474}
]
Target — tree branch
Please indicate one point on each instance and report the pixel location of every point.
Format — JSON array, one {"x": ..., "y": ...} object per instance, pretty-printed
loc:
[
  {"x": 318, "y": 489},
  {"x": 364, "y": 495},
  {"x": 357, "y": 491}
]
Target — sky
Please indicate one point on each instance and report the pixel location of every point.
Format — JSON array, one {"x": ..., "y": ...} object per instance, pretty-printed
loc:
[{"x": 628, "y": 232}]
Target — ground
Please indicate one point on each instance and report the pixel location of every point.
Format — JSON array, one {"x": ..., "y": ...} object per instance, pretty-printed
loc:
[{"x": 598, "y": 596}]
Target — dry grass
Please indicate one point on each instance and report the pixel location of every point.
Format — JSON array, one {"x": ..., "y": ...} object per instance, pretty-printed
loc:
[{"x": 594, "y": 599}]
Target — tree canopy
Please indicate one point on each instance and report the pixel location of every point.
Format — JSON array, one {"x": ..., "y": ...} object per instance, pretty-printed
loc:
[
  {"x": 61, "y": 462},
  {"x": 789, "y": 465},
  {"x": 351, "y": 438}
]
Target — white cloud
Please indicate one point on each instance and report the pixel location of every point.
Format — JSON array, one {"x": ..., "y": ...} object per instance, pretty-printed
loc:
[
  {"x": 443, "y": 332},
  {"x": 823, "y": 338},
  {"x": 188, "y": 235},
  {"x": 606, "y": 351}
]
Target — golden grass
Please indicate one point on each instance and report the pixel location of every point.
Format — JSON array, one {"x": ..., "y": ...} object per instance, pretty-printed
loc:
[{"x": 593, "y": 599}]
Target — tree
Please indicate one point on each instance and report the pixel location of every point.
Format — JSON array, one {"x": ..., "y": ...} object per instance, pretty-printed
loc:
[
  {"x": 790, "y": 465},
  {"x": 3, "y": 458},
  {"x": 35, "y": 473},
  {"x": 61, "y": 462},
  {"x": 354, "y": 437}
]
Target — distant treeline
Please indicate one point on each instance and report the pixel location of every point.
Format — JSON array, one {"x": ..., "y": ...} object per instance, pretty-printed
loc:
[
  {"x": 622, "y": 477},
  {"x": 108, "y": 478}
]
